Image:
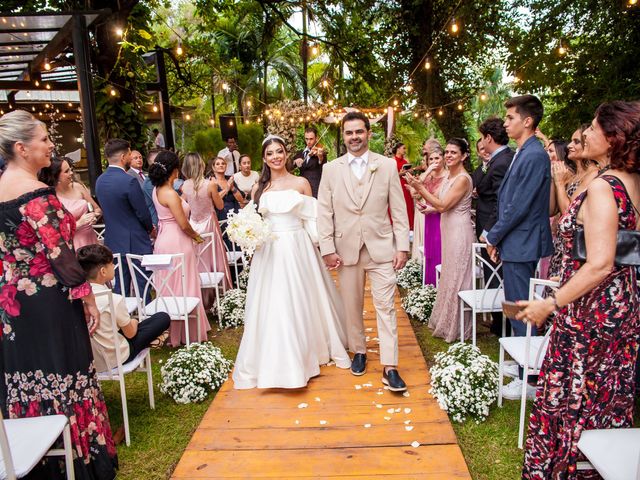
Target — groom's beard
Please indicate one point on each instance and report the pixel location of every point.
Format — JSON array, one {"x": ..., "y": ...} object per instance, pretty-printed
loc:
[{"x": 356, "y": 145}]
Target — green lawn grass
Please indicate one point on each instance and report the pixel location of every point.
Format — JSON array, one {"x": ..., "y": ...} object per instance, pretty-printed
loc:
[{"x": 159, "y": 437}]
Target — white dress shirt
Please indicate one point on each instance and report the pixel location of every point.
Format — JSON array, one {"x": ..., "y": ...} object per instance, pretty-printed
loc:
[
  {"x": 233, "y": 160},
  {"x": 358, "y": 164}
]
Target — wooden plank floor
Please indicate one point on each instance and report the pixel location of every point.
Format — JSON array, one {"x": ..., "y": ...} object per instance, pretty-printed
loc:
[{"x": 352, "y": 426}]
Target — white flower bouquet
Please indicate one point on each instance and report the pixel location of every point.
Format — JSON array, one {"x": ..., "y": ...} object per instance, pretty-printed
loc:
[
  {"x": 418, "y": 302},
  {"x": 464, "y": 382},
  {"x": 231, "y": 312},
  {"x": 411, "y": 275},
  {"x": 192, "y": 372},
  {"x": 248, "y": 229}
]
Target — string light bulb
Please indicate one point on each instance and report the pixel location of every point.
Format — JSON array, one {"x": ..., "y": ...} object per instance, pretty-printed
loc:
[
  {"x": 212, "y": 122},
  {"x": 119, "y": 32},
  {"x": 440, "y": 112},
  {"x": 179, "y": 50},
  {"x": 225, "y": 86},
  {"x": 331, "y": 102},
  {"x": 561, "y": 48},
  {"x": 113, "y": 92},
  {"x": 314, "y": 50},
  {"x": 483, "y": 97},
  {"x": 415, "y": 115},
  {"x": 460, "y": 106},
  {"x": 395, "y": 103},
  {"x": 231, "y": 123},
  {"x": 187, "y": 117},
  {"x": 454, "y": 26},
  {"x": 36, "y": 83},
  {"x": 47, "y": 86},
  {"x": 47, "y": 65},
  {"x": 155, "y": 108},
  {"x": 633, "y": 2},
  {"x": 427, "y": 64},
  {"x": 249, "y": 103},
  {"x": 325, "y": 83}
]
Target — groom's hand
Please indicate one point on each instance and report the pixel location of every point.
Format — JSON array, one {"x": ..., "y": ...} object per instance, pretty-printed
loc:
[
  {"x": 332, "y": 261},
  {"x": 400, "y": 260}
]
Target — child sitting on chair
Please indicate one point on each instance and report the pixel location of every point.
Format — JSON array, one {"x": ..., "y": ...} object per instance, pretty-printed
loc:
[{"x": 133, "y": 336}]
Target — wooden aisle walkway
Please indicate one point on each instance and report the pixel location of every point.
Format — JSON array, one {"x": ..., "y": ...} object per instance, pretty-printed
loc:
[{"x": 350, "y": 427}]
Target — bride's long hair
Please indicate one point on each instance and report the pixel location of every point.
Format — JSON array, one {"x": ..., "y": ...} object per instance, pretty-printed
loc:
[{"x": 265, "y": 176}]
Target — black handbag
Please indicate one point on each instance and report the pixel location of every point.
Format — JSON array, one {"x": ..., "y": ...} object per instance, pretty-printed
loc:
[
  {"x": 627, "y": 248},
  {"x": 627, "y": 244}
]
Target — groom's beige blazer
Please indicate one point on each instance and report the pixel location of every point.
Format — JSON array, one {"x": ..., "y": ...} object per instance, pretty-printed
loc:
[{"x": 345, "y": 223}]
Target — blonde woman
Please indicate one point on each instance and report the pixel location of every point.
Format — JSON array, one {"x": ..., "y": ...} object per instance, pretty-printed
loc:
[{"x": 203, "y": 198}]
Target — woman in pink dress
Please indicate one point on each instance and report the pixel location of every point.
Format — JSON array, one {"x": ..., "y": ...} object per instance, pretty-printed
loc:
[
  {"x": 75, "y": 198},
  {"x": 454, "y": 204},
  {"x": 203, "y": 198},
  {"x": 432, "y": 242},
  {"x": 175, "y": 235}
]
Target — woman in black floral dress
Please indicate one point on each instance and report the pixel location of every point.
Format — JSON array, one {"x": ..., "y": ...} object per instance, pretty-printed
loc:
[
  {"x": 588, "y": 376},
  {"x": 45, "y": 353}
]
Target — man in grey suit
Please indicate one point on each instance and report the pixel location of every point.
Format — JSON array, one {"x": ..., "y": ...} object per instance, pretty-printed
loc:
[
  {"x": 522, "y": 234},
  {"x": 135, "y": 170}
]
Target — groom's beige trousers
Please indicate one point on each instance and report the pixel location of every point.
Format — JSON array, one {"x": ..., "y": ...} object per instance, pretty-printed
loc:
[{"x": 383, "y": 285}]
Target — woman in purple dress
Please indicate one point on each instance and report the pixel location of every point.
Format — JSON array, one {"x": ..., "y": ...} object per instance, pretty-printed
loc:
[{"x": 432, "y": 243}]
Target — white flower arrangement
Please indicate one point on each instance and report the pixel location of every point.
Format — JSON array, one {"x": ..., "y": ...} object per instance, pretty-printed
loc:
[
  {"x": 231, "y": 314},
  {"x": 411, "y": 275},
  {"x": 192, "y": 372},
  {"x": 243, "y": 278},
  {"x": 419, "y": 301},
  {"x": 464, "y": 382},
  {"x": 248, "y": 229}
]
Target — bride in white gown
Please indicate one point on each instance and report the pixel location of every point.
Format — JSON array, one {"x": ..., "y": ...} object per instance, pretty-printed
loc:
[{"x": 293, "y": 312}]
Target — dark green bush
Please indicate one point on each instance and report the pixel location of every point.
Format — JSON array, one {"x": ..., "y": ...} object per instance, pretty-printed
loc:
[{"x": 208, "y": 143}]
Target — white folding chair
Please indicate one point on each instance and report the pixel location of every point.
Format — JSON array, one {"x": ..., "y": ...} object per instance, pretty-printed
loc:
[
  {"x": 614, "y": 453},
  {"x": 99, "y": 228},
  {"x": 131, "y": 302},
  {"x": 527, "y": 351},
  {"x": 235, "y": 257},
  {"x": 484, "y": 300},
  {"x": 179, "y": 307},
  {"x": 25, "y": 441},
  {"x": 210, "y": 279},
  {"x": 117, "y": 372}
]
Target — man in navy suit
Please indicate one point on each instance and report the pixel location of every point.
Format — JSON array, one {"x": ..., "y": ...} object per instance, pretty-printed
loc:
[
  {"x": 126, "y": 216},
  {"x": 522, "y": 235},
  {"x": 487, "y": 180}
]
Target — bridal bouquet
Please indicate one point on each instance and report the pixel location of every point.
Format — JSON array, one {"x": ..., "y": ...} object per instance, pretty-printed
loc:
[
  {"x": 463, "y": 381},
  {"x": 248, "y": 229},
  {"x": 192, "y": 372}
]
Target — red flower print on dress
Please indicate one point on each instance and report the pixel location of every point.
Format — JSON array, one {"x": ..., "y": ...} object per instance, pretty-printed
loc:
[
  {"x": 67, "y": 227},
  {"x": 50, "y": 236},
  {"x": 26, "y": 235},
  {"x": 39, "y": 266},
  {"x": 8, "y": 300},
  {"x": 36, "y": 209}
]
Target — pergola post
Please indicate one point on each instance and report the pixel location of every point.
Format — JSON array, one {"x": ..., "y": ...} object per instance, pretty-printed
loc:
[
  {"x": 165, "y": 108},
  {"x": 87, "y": 102}
]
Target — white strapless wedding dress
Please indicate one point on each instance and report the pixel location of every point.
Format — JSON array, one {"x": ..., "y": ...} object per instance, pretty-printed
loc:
[{"x": 293, "y": 312}]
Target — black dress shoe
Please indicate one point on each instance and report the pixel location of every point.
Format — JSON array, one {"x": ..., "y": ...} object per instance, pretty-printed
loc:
[
  {"x": 393, "y": 380},
  {"x": 359, "y": 364}
]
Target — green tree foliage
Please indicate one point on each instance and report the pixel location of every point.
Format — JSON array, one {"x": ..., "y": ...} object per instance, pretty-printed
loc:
[{"x": 602, "y": 38}]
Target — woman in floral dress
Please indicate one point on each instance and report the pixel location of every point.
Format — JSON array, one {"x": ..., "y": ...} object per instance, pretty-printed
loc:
[
  {"x": 588, "y": 376},
  {"x": 45, "y": 353}
]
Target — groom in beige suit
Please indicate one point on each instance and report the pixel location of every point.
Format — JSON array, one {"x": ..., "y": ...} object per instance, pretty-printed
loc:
[{"x": 358, "y": 193}]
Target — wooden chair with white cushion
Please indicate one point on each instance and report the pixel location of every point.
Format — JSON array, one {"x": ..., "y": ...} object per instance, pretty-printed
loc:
[
  {"x": 214, "y": 279},
  {"x": 485, "y": 299},
  {"x": 117, "y": 372},
  {"x": 26, "y": 441},
  {"x": 614, "y": 453},
  {"x": 527, "y": 351},
  {"x": 131, "y": 302},
  {"x": 179, "y": 307}
]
